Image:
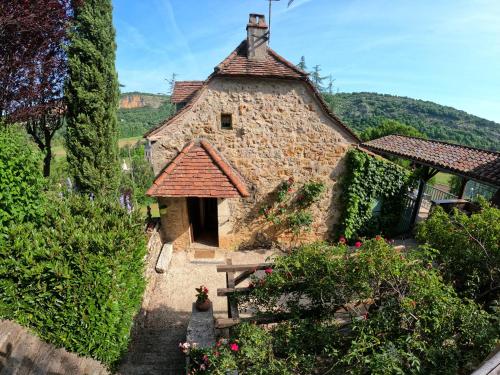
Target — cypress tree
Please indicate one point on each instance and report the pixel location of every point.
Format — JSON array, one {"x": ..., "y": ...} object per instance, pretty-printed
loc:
[{"x": 92, "y": 96}]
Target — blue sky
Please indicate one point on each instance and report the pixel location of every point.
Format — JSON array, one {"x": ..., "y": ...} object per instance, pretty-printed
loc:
[{"x": 446, "y": 51}]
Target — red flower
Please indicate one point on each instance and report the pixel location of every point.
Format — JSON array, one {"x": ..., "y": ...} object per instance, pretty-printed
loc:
[
  {"x": 358, "y": 244},
  {"x": 378, "y": 237},
  {"x": 342, "y": 240},
  {"x": 269, "y": 271},
  {"x": 234, "y": 347}
]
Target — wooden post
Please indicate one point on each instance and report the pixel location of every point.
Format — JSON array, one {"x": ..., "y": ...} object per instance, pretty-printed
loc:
[
  {"x": 427, "y": 174},
  {"x": 232, "y": 307},
  {"x": 462, "y": 188}
]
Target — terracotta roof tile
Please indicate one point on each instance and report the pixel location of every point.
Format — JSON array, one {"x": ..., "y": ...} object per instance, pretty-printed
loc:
[
  {"x": 198, "y": 171},
  {"x": 238, "y": 64},
  {"x": 472, "y": 163},
  {"x": 185, "y": 90}
]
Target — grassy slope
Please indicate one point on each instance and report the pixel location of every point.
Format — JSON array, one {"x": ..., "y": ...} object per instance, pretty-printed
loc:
[{"x": 359, "y": 111}]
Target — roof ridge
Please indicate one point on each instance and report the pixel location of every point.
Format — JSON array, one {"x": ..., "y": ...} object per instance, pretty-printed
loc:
[
  {"x": 437, "y": 141},
  {"x": 224, "y": 62},
  {"x": 281, "y": 59},
  {"x": 164, "y": 183}
]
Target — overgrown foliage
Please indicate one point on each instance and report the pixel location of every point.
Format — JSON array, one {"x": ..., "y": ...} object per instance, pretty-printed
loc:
[
  {"x": 21, "y": 180},
  {"x": 375, "y": 311},
  {"x": 77, "y": 279},
  {"x": 387, "y": 127},
  {"x": 33, "y": 67},
  {"x": 290, "y": 207},
  {"x": 374, "y": 194},
  {"x": 140, "y": 177},
  {"x": 92, "y": 99},
  {"x": 467, "y": 250}
]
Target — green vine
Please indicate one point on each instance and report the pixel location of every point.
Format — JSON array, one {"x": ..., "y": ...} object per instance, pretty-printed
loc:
[
  {"x": 290, "y": 206},
  {"x": 372, "y": 182}
]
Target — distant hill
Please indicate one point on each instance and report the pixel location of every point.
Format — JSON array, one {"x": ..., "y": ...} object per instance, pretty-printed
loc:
[
  {"x": 131, "y": 100},
  {"x": 140, "y": 112},
  {"x": 362, "y": 110}
]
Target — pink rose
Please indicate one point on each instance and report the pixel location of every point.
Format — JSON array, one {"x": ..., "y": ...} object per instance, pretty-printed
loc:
[
  {"x": 234, "y": 347},
  {"x": 269, "y": 271},
  {"x": 357, "y": 245},
  {"x": 342, "y": 240}
]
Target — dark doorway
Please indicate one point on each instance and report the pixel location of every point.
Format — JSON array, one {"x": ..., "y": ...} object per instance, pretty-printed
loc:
[{"x": 203, "y": 220}]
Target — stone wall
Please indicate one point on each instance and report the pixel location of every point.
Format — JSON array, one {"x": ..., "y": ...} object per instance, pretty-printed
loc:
[
  {"x": 279, "y": 131},
  {"x": 175, "y": 222}
]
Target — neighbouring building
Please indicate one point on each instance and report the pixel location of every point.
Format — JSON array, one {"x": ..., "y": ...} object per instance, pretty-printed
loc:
[{"x": 256, "y": 121}]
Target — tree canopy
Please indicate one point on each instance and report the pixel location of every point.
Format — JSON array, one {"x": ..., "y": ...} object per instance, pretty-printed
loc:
[{"x": 92, "y": 99}]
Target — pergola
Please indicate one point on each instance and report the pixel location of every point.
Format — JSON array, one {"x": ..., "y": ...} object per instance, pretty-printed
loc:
[{"x": 433, "y": 156}]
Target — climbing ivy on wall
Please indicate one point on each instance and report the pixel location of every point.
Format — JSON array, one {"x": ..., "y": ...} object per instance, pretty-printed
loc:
[{"x": 374, "y": 193}]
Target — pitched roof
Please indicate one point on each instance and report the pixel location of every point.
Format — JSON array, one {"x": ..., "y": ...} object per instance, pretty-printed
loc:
[
  {"x": 198, "y": 171},
  {"x": 238, "y": 64},
  {"x": 469, "y": 162},
  {"x": 184, "y": 90}
]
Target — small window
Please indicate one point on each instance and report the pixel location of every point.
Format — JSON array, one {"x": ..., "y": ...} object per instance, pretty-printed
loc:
[{"x": 226, "y": 121}]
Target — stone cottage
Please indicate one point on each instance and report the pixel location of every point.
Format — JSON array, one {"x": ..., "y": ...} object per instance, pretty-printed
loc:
[{"x": 255, "y": 122}]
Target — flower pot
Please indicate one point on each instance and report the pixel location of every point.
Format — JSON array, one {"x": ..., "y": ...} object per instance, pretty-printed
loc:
[{"x": 203, "y": 306}]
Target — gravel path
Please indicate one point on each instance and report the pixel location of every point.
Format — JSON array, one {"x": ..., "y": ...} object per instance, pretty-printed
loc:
[{"x": 162, "y": 322}]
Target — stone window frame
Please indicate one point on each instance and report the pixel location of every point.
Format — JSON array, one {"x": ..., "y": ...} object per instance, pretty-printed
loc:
[{"x": 223, "y": 125}]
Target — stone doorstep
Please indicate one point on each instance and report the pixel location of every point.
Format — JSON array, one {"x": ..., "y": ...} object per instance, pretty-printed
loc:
[
  {"x": 207, "y": 256},
  {"x": 165, "y": 258}
]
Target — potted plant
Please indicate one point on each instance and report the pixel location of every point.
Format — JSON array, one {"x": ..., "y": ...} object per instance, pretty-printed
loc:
[{"x": 202, "y": 300}]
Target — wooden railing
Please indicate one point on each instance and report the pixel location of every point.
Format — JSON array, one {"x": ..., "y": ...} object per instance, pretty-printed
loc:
[{"x": 232, "y": 281}]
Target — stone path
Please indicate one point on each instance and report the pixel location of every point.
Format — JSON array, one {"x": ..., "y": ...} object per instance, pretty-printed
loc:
[
  {"x": 166, "y": 309},
  {"x": 21, "y": 352}
]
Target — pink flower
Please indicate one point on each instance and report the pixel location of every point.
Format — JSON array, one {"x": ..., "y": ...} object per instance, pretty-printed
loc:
[
  {"x": 342, "y": 240},
  {"x": 365, "y": 316},
  {"x": 269, "y": 271},
  {"x": 291, "y": 180},
  {"x": 234, "y": 347},
  {"x": 358, "y": 244}
]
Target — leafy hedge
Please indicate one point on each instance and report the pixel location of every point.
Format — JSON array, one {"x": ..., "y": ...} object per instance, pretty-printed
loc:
[
  {"x": 370, "y": 180},
  {"x": 21, "y": 179},
  {"x": 78, "y": 279},
  {"x": 467, "y": 250}
]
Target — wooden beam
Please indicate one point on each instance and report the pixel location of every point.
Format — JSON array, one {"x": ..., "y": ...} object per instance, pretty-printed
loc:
[
  {"x": 232, "y": 306},
  {"x": 243, "y": 276},
  {"x": 222, "y": 292},
  {"x": 242, "y": 267},
  {"x": 420, "y": 194}
]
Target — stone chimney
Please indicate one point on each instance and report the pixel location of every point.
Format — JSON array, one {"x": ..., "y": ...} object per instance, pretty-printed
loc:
[{"x": 257, "y": 37}]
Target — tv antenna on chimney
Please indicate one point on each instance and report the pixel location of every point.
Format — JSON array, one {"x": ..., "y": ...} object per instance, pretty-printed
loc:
[{"x": 269, "y": 18}]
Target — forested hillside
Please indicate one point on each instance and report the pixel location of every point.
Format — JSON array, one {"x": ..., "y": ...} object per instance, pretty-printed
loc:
[
  {"x": 142, "y": 112},
  {"x": 363, "y": 110},
  {"x": 358, "y": 110}
]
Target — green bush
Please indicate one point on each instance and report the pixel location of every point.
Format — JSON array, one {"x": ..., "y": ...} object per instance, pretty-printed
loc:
[
  {"x": 21, "y": 179},
  {"x": 370, "y": 180},
  {"x": 398, "y": 316},
  {"x": 467, "y": 250},
  {"x": 78, "y": 279}
]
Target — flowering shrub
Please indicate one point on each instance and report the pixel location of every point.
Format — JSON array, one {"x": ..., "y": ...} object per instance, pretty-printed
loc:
[
  {"x": 398, "y": 316},
  {"x": 467, "y": 250},
  {"x": 202, "y": 294}
]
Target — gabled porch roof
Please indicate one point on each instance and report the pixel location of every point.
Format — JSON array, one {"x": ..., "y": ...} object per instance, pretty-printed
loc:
[{"x": 198, "y": 171}]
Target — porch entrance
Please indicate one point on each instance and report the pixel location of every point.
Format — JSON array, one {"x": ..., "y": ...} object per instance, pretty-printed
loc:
[{"x": 203, "y": 220}]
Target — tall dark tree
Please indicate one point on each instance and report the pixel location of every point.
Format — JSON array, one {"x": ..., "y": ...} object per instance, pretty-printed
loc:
[
  {"x": 92, "y": 96},
  {"x": 33, "y": 67}
]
